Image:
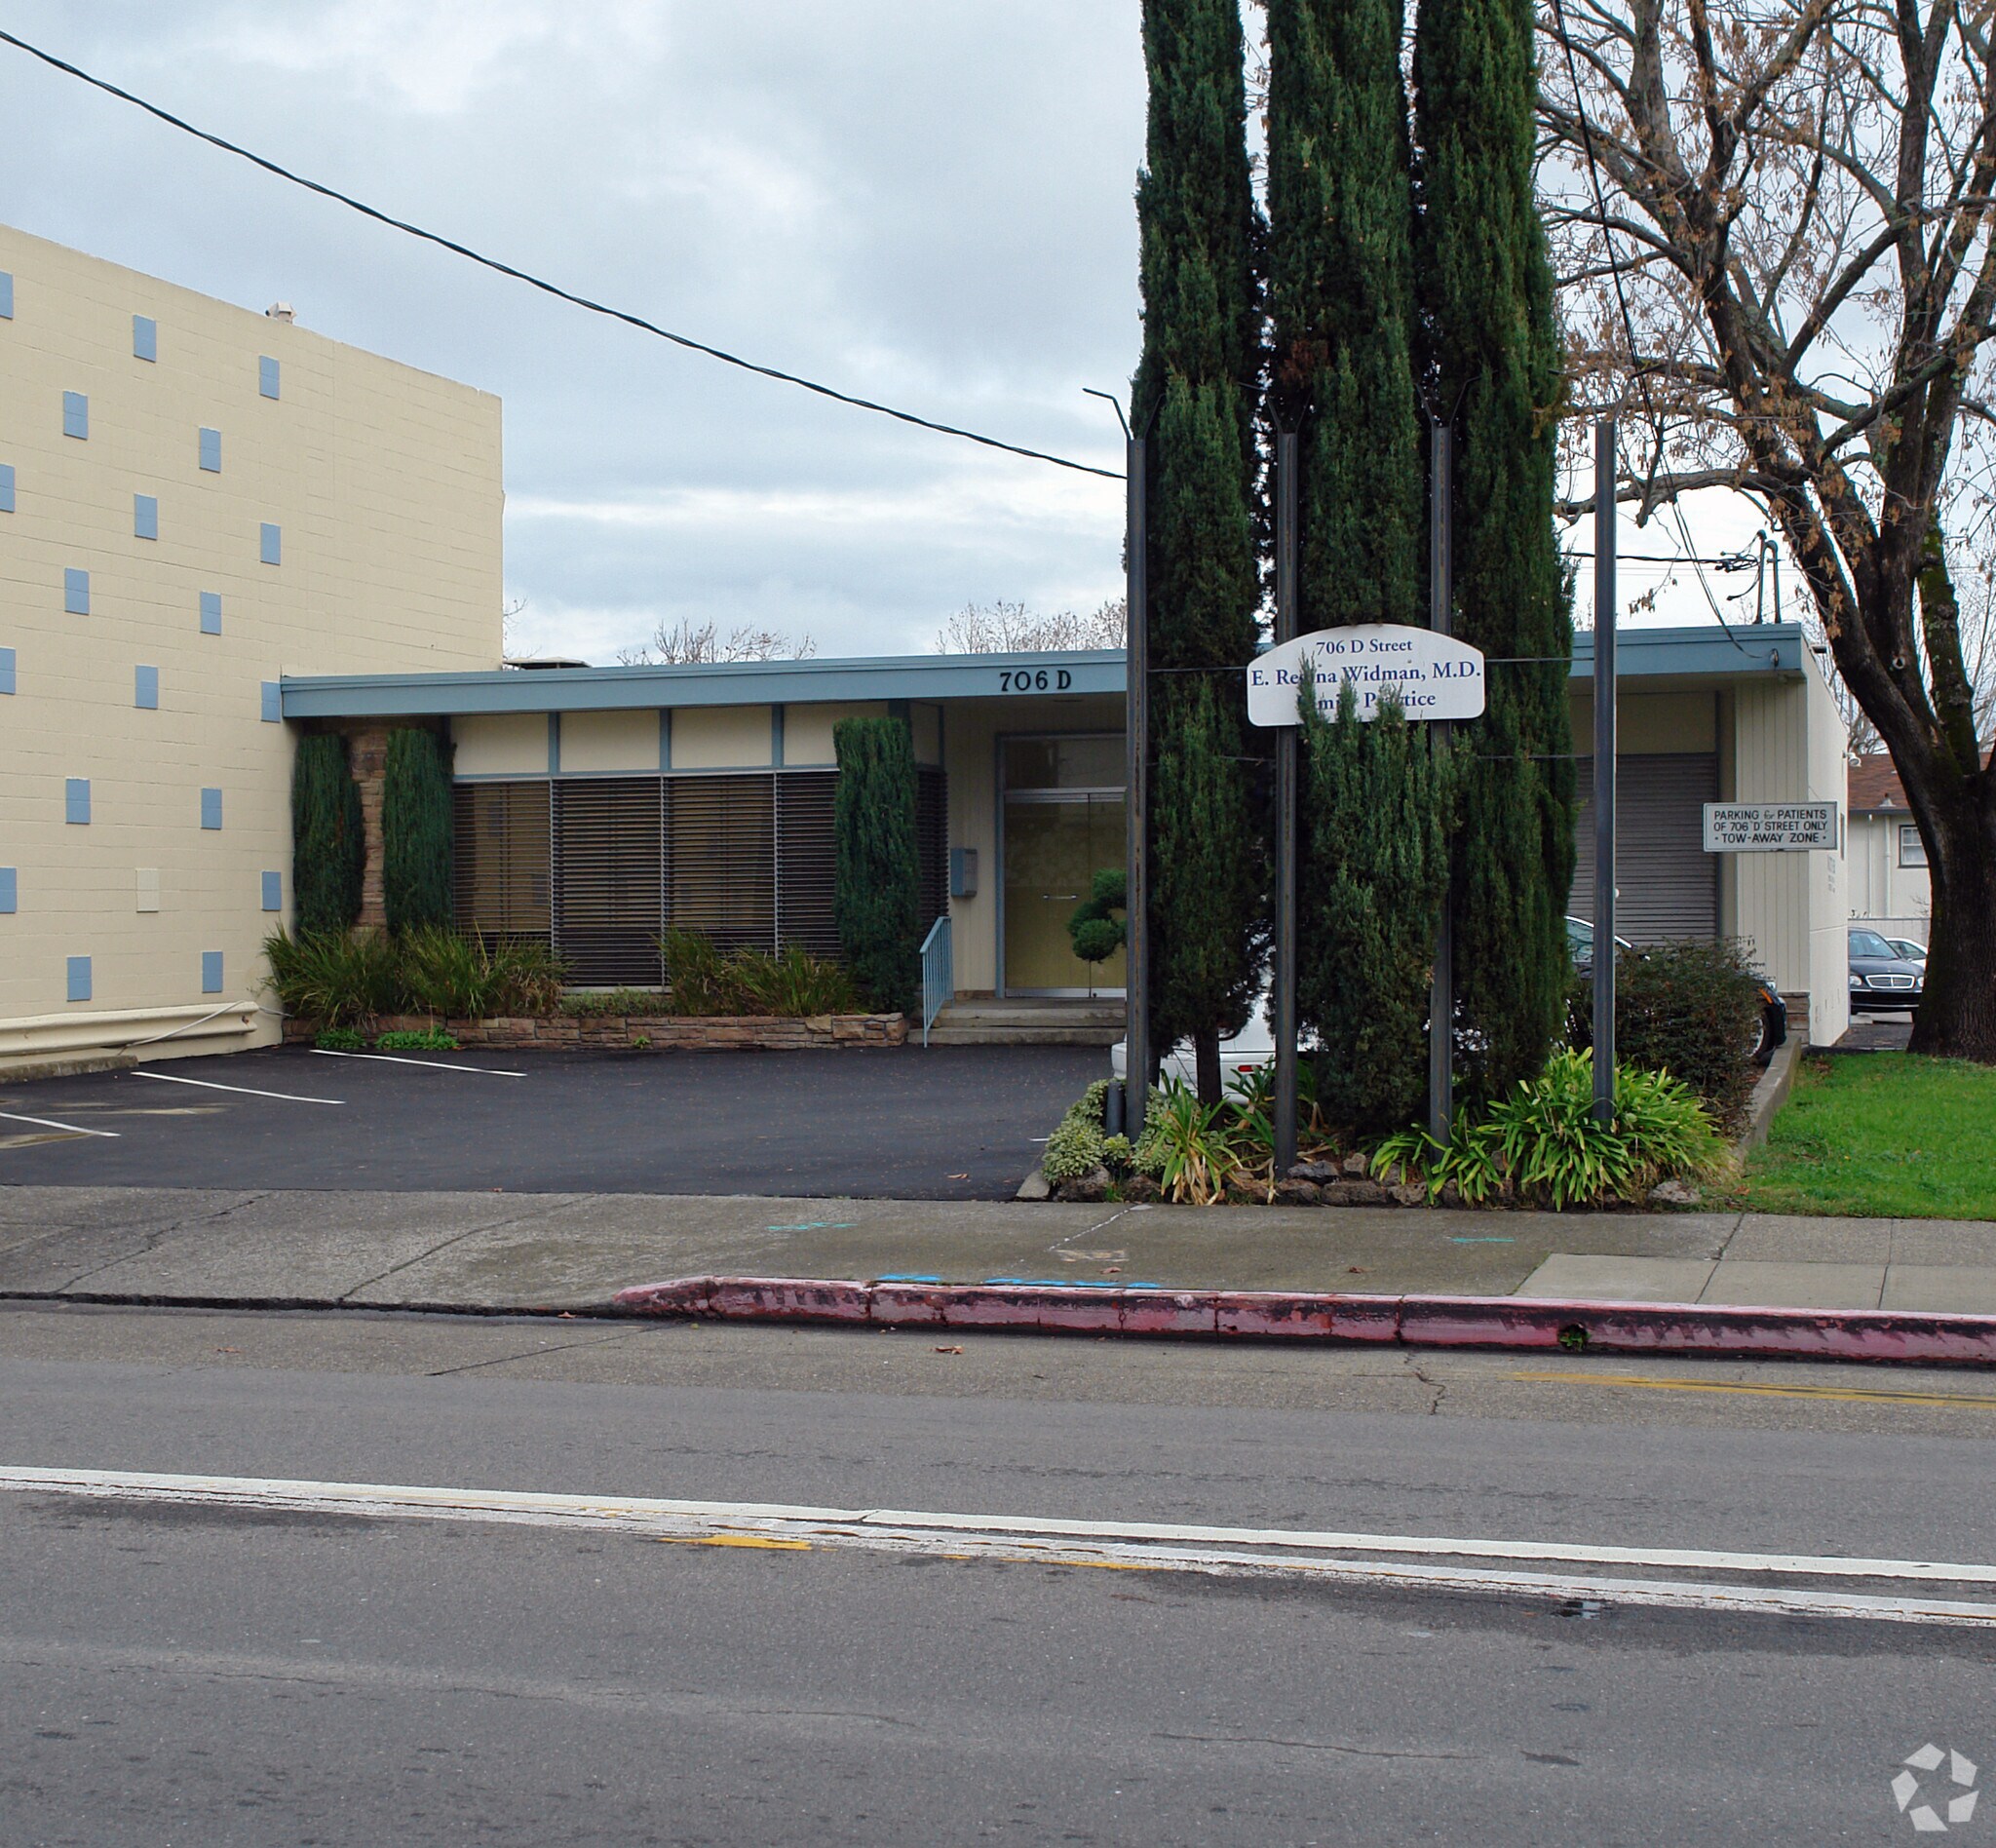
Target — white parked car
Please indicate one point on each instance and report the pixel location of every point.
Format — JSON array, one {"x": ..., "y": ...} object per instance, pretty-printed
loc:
[
  {"x": 1249, "y": 1050},
  {"x": 1907, "y": 950}
]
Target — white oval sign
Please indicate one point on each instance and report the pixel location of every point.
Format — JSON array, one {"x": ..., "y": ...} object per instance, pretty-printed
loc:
[{"x": 1435, "y": 676}]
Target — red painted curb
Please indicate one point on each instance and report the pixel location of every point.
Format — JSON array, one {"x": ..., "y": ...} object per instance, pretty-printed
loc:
[{"x": 1456, "y": 1322}]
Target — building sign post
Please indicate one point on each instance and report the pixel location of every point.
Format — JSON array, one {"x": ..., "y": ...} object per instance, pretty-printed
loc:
[
  {"x": 1605, "y": 772},
  {"x": 1441, "y": 974},
  {"x": 1136, "y": 740},
  {"x": 1285, "y": 742}
]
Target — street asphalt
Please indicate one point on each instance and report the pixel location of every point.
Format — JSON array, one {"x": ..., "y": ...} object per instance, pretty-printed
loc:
[
  {"x": 219, "y": 1676},
  {"x": 952, "y": 1123}
]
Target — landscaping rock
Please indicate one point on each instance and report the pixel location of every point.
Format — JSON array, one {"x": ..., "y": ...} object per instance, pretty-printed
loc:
[
  {"x": 1316, "y": 1172},
  {"x": 1142, "y": 1189},
  {"x": 1673, "y": 1193},
  {"x": 1092, "y": 1186},
  {"x": 1035, "y": 1186},
  {"x": 1410, "y": 1193},
  {"x": 1450, "y": 1195},
  {"x": 1298, "y": 1193},
  {"x": 1354, "y": 1165},
  {"x": 1353, "y": 1193}
]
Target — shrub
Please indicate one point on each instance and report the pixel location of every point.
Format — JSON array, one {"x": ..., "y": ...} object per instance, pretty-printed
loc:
[
  {"x": 428, "y": 1040},
  {"x": 415, "y": 831},
  {"x": 1188, "y": 1148},
  {"x": 1075, "y": 1148},
  {"x": 473, "y": 976},
  {"x": 595, "y": 1003},
  {"x": 1690, "y": 1009},
  {"x": 702, "y": 979},
  {"x": 333, "y": 977},
  {"x": 329, "y": 844},
  {"x": 339, "y": 1039},
  {"x": 1093, "y": 928},
  {"x": 877, "y": 880},
  {"x": 1542, "y": 1142}
]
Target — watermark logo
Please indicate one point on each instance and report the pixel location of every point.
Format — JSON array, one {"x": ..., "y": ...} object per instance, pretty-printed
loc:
[{"x": 1911, "y": 1785}]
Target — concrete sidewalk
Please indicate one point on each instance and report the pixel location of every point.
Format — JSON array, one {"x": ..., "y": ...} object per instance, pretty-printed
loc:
[{"x": 499, "y": 1251}]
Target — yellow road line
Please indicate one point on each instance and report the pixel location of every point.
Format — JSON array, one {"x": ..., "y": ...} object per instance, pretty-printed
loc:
[
  {"x": 734, "y": 1540},
  {"x": 1983, "y": 1401}
]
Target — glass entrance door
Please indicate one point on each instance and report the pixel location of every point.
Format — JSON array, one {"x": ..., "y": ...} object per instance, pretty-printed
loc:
[{"x": 1054, "y": 844}]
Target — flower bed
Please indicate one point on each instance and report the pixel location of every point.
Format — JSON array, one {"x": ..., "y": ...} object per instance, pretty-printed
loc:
[{"x": 659, "y": 1033}]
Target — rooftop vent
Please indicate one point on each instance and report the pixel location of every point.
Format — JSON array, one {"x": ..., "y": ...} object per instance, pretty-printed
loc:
[{"x": 281, "y": 311}]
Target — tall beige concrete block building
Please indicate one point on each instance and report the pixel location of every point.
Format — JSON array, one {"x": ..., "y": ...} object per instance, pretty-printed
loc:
[{"x": 196, "y": 502}]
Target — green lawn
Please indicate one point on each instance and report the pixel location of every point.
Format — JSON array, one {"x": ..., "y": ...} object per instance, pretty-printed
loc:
[{"x": 1885, "y": 1135}]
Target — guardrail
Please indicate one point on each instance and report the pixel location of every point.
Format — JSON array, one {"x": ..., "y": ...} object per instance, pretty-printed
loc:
[{"x": 938, "y": 974}]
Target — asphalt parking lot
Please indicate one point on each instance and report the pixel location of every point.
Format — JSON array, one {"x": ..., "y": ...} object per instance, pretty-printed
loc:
[{"x": 953, "y": 1123}]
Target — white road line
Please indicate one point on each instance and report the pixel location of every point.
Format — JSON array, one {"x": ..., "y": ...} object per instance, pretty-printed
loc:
[
  {"x": 1129, "y": 1545},
  {"x": 75, "y": 1129},
  {"x": 428, "y": 1064},
  {"x": 168, "y": 1078}
]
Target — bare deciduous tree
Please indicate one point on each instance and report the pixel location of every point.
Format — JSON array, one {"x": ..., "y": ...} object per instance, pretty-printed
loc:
[
  {"x": 687, "y": 643},
  {"x": 1798, "y": 196},
  {"x": 1013, "y": 628}
]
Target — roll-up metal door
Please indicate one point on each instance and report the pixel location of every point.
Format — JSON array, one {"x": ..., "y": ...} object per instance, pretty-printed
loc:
[
  {"x": 1667, "y": 886},
  {"x": 721, "y": 857},
  {"x": 502, "y": 859},
  {"x": 610, "y": 878}
]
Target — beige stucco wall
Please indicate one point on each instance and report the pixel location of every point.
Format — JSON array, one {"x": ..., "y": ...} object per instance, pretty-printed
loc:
[
  {"x": 1648, "y": 724},
  {"x": 807, "y": 729},
  {"x": 721, "y": 737},
  {"x": 500, "y": 745},
  {"x": 602, "y": 742},
  {"x": 385, "y": 484}
]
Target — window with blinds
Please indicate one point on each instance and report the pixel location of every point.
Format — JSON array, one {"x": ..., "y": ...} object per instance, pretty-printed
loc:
[{"x": 599, "y": 867}]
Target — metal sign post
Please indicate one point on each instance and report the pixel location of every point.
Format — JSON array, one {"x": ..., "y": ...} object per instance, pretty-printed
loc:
[
  {"x": 1136, "y": 730},
  {"x": 1604, "y": 771},
  {"x": 1285, "y": 997},
  {"x": 1441, "y": 619}
]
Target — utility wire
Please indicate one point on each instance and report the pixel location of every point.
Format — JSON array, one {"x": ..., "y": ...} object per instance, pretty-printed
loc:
[{"x": 540, "y": 282}]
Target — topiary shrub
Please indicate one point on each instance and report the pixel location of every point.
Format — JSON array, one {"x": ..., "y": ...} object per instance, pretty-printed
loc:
[
  {"x": 1094, "y": 929},
  {"x": 877, "y": 880},
  {"x": 1691, "y": 1009},
  {"x": 329, "y": 844},
  {"x": 415, "y": 831}
]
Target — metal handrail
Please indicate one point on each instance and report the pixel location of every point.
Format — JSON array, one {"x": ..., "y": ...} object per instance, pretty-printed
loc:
[{"x": 938, "y": 974}]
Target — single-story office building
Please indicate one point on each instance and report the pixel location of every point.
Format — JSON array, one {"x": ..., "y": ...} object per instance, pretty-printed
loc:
[{"x": 596, "y": 806}]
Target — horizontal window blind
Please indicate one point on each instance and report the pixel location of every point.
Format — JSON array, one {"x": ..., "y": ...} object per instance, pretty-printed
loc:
[{"x": 503, "y": 859}]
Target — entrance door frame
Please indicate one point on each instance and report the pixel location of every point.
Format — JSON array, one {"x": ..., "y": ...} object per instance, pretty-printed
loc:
[{"x": 1120, "y": 792}]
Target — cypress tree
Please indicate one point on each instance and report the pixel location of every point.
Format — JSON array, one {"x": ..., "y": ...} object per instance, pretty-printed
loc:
[
  {"x": 328, "y": 847},
  {"x": 1377, "y": 817},
  {"x": 877, "y": 880},
  {"x": 1370, "y": 849},
  {"x": 1492, "y": 366},
  {"x": 1194, "y": 394},
  {"x": 415, "y": 831}
]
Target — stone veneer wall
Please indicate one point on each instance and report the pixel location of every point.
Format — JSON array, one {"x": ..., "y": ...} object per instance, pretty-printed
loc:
[{"x": 666, "y": 1033}]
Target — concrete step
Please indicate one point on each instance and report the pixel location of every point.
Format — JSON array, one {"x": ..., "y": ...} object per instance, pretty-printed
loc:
[
  {"x": 1029, "y": 1023},
  {"x": 1023, "y": 1036}
]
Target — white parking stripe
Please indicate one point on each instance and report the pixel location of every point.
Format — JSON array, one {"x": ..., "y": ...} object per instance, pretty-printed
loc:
[
  {"x": 428, "y": 1064},
  {"x": 75, "y": 1129},
  {"x": 1129, "y": 1545},
  {"x": 168, "y": 1078}
]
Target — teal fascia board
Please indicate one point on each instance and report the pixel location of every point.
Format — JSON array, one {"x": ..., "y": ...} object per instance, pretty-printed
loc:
[
  {"x": 733, "y": 683},
  {"x": 1753, "y": 650}
]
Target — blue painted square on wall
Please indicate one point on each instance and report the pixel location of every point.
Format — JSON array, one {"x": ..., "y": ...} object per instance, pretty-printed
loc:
[
  {"x": 6, "y": 487},
  {"x": 273, "y": 703},
  {"x": 10, "y": 891},
  {"x": 211, "y": 809},
  {"x": 79, "y": 978},
  {"x": 76, "y": 592},
  {"x": 210, "y": 972},
  {"x": 145, "y": 517},
  {"x": 210, "y": 612},
  {"x": 270, "y": 541},
  {"x": 267, "y": 376},
  {"x": 145, "y": 338},
  {"x": 6, "y": 670},
  {"x": 212, "y": 451},
  {"x": 273, "y": 892},
  {"x": 145, "y": 689},
  {"x": 75, "y": 415},
  {"x": 76, "y": 801},
  {"x": 6, "y": 296}
]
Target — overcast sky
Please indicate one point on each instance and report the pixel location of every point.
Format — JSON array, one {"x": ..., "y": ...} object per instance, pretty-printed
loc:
[{"x": 925, "y": 204}]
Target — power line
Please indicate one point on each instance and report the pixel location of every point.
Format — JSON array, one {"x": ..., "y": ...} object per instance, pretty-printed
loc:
[{"x": 536, "y": 281}]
